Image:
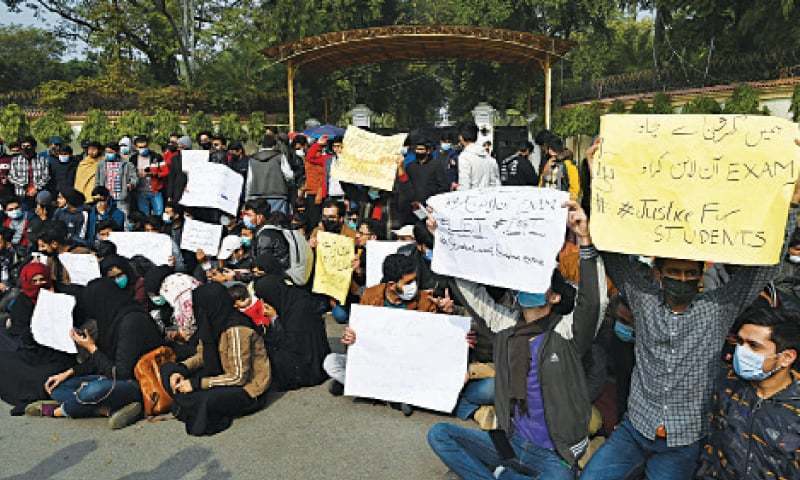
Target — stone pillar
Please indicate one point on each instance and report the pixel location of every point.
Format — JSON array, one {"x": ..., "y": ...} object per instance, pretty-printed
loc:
[
  {"x": 483, "y": 113},
  {"x": 361, "y": 116}
]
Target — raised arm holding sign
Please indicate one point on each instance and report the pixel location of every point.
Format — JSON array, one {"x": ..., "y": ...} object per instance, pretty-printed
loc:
[{"x": 368, "y": 158}]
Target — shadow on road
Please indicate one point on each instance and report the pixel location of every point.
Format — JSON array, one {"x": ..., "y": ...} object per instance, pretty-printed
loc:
[
  {"x": 183, "y": 463},
  {"x": 59, "y": 461}
]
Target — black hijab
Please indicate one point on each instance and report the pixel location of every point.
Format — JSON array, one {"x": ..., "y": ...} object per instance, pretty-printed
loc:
[
  {"x": 214, "y": 313},
  {"x": 123, "y": 264},
  {"x": 297, "y": 309},
  {"x": 103, "y": 301}
]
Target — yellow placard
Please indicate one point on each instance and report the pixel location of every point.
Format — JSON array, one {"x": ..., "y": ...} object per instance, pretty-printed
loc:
[
  {"x": 334, "y": 267},
  {"x": 699, "y": 187},
  {"x": 368, "y": 159}
]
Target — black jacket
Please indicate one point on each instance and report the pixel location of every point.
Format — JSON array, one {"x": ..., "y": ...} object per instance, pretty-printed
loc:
[
  {"x": 428, "y": 179},
  {"x": 517, "y": 170}
]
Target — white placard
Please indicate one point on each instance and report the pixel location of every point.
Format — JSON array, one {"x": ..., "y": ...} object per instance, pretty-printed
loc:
[
  {"x": 503, "y": 236},
  {"x": 157, "y": 247},
  {"x": 199, "y": 235},
  {"x": 190, "y": 159},
  {"x": 407, "y": 356},
  {"x": 52, "y": 321},
  {"x": 213, "y": 185},
  {"x": 81, "y": 267},
  {"x": 377, "y": 251}
]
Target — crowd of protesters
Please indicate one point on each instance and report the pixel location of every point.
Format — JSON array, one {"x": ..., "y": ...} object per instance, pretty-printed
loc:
[{"x": 624, "y": 368}]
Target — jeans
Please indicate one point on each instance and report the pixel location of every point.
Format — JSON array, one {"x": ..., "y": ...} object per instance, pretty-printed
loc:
[
  {"x": 471, "y": 455},
  {"x": 82, "y": 397},
  {"x": 475, "y": 394},
  {"x": 150, "y": 203},
  {"x": 627, "y": 451}
]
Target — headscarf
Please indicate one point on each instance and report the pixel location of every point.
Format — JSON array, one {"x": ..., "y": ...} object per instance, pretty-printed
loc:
[
  {"x": 106, "y": 303},
  {"x": 26, "y": 280},
  {"x": 214, "y": 311},
  {"x": 177, "y": 291},
  {"x": 123, "y": 264},
  {"x": 270, "y": 265},
  {"x": 154, "y": 277}
]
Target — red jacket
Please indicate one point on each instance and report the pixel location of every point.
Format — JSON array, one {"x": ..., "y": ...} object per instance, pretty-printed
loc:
[
  {"x": 316, "y": 172},
  {"x": 158, "y": 175}
]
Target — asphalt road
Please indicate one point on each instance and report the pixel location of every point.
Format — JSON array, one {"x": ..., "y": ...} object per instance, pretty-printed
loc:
[{"x": 306, "y": 434}]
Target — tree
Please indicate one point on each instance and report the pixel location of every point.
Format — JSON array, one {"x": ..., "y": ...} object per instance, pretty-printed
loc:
[
  {"x": 640, "y": 107},
  {"x": 132, "y": 124},
  {"x": 96, "y": 128},
  {"x": 255, "y": 126},
  {"x": 617, "y": 106},
  {"x": 702, "y": 104},
  {"x": 662, "y": 103},
  {"x": 230, "y": 126},
  {"x": 13, "y": 123},
  {"x": 744, "y": 100},
  {"x": 199, "y": 122},
  {"x": 164, "y": 123},
  {"x": 795, "y": 107},
  {"x": 30, "y": 56},
  {"x": 52, "y": 123}
]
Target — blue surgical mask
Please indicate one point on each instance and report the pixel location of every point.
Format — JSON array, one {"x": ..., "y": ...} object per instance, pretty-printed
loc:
[
  {"x": 121, "y": 281},
  {"x": 157, "y": 300},
  {"x": 248, "y": 223},
  {"x": 623, "y": 331},
  {"x": 125, "y": 150},
  {"x": 111, "y": 156},
  {"x": 353, "y": 225},
  {"x": 166, "y": 218},
  {"x": 15, "y": 214},
  {"x": 144, "y": 151},
  {"x": 63, "y": 158},
  {"x": 373, "y": 194},
  {"x": 749, "y": 365},
  {"x": 246, "y": 241},
  {"x": 446, "y": 147},
  {"x": 428, "y": 254},
  {"x": 531, "y": 300}
]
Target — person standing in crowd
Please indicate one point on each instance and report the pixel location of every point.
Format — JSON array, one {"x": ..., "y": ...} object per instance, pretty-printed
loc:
[
  {"x": 449, "y": 153},
  {"x": 238, "y": 160},
  {"x": 755, "y": 431},
  {"x": 476, "y": 167},
  {"x": 315, "y": 190},
  {"x": 517, "y": 169},
  {"x": 152, "y": 173},
  {"x": 219, "y": 149},
  {"x": 103, "y": 209},
  {"x": 17, "y": 223},
  {"x": 204, "y": 140},
  {"x": 74, "y": 216},
  {"x": 29, "y": 174},
  {"x": 125, "y": 148},
  {"x": 54, "y": 145},
  {"x": 6, "y": 187},
  {"x": 63, "y": 170},
  {"x": 118, "y": 176},
  {"x": 426, "y": 174},
  {"x": 670, "y": 395},
  {"x": 560, "y": 172},
  {"x": 86, "y": 173},
  {"x": 268, "y": 174}
]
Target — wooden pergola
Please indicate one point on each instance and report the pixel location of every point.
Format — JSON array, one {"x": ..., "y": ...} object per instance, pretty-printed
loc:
[{"x": 339, "y": 50}]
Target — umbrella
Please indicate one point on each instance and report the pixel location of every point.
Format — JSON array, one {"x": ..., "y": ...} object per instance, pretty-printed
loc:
[{"x": 329, "y": 130}]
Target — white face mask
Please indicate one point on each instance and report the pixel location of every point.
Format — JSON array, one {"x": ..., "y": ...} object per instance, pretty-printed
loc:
[
  {"x": 409, "y": 292},
  {"x": 300, "y": 153},
  {"x": 794, "y": 259}
]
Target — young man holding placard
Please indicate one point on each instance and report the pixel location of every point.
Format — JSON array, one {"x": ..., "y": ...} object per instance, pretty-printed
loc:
[{"x": 679, "y": 337}]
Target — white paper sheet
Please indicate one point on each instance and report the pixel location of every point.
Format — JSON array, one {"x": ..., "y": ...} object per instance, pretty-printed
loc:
[
  {"x": 199, "y": 235},
  {"x": 407, "y": 356},
  {"x": 377, "y": 251},
  {"x": 52, "y": 321},
  {"x": 190, "y": 159},
  {"x": 213, "y": 185},
  {"x": 157, "y": 247},
  {"x": 503, "y": 236},
  {"x": 81, "y": 267}
]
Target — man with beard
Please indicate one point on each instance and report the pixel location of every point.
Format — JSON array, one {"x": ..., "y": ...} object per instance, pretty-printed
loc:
[{"x": 28, "y": 173}]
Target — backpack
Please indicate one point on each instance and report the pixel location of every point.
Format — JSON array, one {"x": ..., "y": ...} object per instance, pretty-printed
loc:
[{"x": 301, "y": 258}]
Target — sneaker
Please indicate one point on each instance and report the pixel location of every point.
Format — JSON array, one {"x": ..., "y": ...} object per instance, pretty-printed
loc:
[
  {"x": 406, "y": 409},
  {"x": 125, "y": 416},
  {"x": 42, "y": 408},
  {"x": 336, "y": 389}
]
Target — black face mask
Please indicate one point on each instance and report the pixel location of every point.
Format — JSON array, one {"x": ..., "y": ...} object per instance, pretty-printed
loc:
[
  {"x": 172, "y": 148},
  {"x": 678, "y": 292},
  {"x": 332, "y": 226},
  {"x": 205, "y": 145},
  {"x": 421, "y": 157},
  {"x": 29, "y": 152}
]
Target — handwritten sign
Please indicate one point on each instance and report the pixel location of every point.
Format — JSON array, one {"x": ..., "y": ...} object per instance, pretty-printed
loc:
[
  {"x": 377, "y": 251},
  {"x": 368, "y": 158},
  {"x": 503, "y": 236},
  {"x": 213, "y": 185},
  {"x": 334, "y": 267},
  {"x": 406, "y": 356},
  {"x": 191, "y": 158},
  {"x": 156, "y": 247},
  {"x": 699, "y": 187},
  {"x": 81, "y": 267},
  {"x": 52, "y": 321},
  {"x": 199, "y": 235}
]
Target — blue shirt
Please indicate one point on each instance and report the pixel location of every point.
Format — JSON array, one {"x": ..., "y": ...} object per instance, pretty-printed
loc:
[{"x": 533, "y": 426}]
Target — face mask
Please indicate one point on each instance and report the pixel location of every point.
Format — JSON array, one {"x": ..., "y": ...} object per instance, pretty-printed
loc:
[
  {"x": 446, "y": 147},
  {"x": 421, "y": 156},
  {"x": 166, "y": 218},
  {"x": 111, "y": 157},
  {"x": 409, "y": 292},
  {"x": 428, "y": 255},
  {"x": 624, "y": 332},
  {"x": 353, "y": 225},
  {"x": 224, "y": 220},
  {"x": 144, "y": 152},
  {"x": 205, "y": 145},
  {"x": 125, "y": 150},
  {"x": 300, "y": 153},
  {"x": 794, "y": 259},
  {"x": 121, "y": 281},
  {"x": 15, "y": 214},
  {"x": 373, "y": 194},
  {"x": 248, "y": 222},
  {"x": 63, "y": 158},
  {"x": 749, "y": 365},
  {"x": 531, "y": 300},
  {"x": 157, "y": 300},
  {"x": 678, "y": 292},
  {"x": 404, "y": 151},
  {"x": 29, "y": 151},
  {"x": 332, "y": 226},
  {"x": 246, "y": 241}
]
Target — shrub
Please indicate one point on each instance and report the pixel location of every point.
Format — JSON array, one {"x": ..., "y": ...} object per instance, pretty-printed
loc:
[{"x": 53, "y": 123}]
